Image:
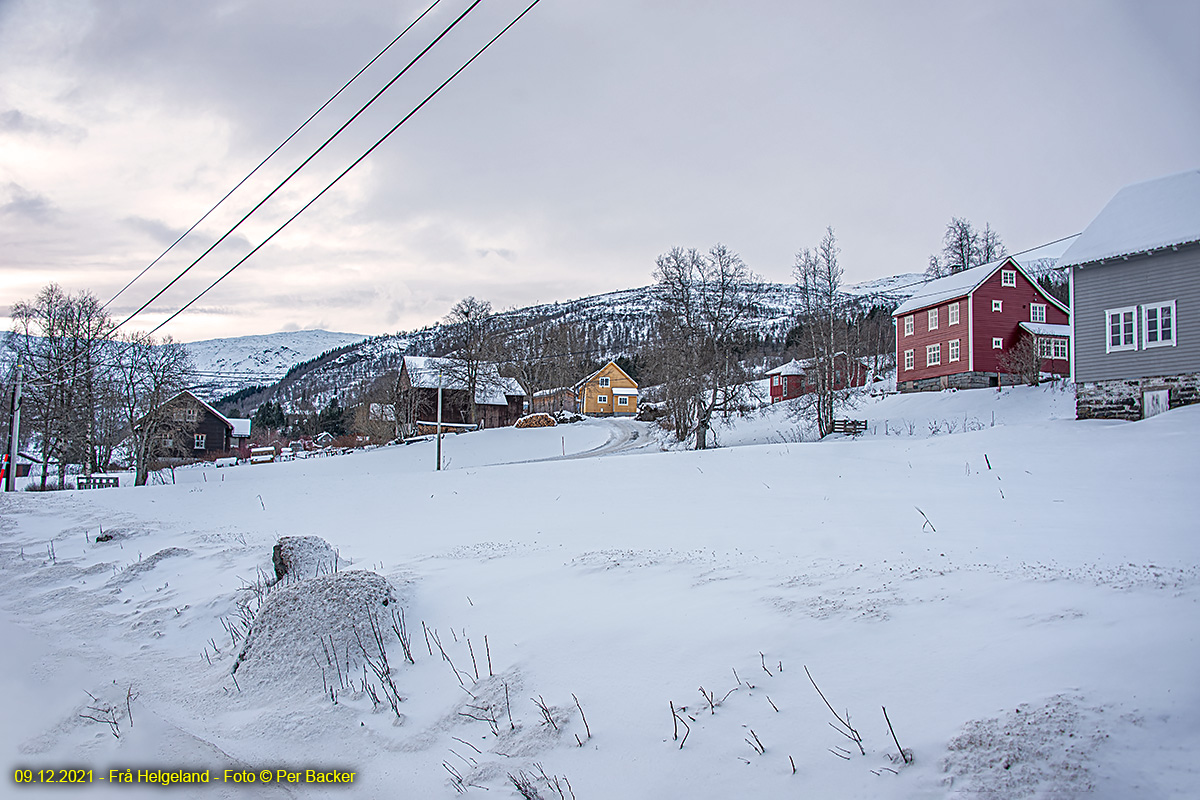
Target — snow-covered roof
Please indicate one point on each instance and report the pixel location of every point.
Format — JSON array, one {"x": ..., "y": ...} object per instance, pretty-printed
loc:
[
  {"x": 597, "y": 372},
  {"x": 1164, "y": 212},
  {"x": 1047, "y": 329},
  {"x": 800, "y": 366},
  {"x": 490, "y": 388},
  {"x": 630, "y": 392},
  {"x": 792, "y": 367},
  {"x": 949, "y": 287},
  {"x": 241, "y": 427}
]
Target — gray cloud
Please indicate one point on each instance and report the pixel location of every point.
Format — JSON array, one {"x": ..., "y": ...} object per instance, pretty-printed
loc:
[
  {"x": 16, "y": 121},
  {"x": 27, "y": 205}
]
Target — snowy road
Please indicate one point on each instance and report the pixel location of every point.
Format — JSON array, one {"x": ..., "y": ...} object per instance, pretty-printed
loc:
[{"x": 625, "y": 436}]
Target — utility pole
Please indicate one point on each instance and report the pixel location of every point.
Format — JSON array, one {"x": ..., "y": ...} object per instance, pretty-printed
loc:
[
  {"x": 439, "y": 421},
  {"x": 14, "y": 431}
]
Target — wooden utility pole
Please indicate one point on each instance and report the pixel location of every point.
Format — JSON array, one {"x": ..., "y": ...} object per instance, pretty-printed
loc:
[{"x": 439, "y": 421}]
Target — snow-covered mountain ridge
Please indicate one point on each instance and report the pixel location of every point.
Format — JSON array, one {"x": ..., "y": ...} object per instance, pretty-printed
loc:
[{"x": 227, "y": 365}]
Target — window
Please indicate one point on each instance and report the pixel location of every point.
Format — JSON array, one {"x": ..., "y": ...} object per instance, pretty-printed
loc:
[
  {"x": 908, "y": 325},
  {"x": 1008, "y": 277},
  {"x": 775, "y": 381},
  {"x": 909, "y": 359},
  {"x": 622, "y": 401},
  {"x": 954, "y": 349},
  {"x": 997, "y": 343},
  {"x": 200, "y": 441},
  {"x": 1060, "y": 348},
  {"x": 953, "y": 314},
  {"x": 604, "y": 383},
  {"x": 1158, "y": 325},
  {"x": 1122, "y": 332},
  {"x": 933, "y": 355},
  {"x": 603, "y": 398},
  {"x": 933, "y": 319},
  {"x": 1043, "y": 346},
  {"x": 997, "y": 305},
  {"x": 1037, "y": 312}
]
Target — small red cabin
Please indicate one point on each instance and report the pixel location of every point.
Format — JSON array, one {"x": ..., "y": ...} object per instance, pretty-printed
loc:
[{"x": 798, "y": 377}]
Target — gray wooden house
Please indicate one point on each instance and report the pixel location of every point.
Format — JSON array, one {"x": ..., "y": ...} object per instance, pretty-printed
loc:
[{"x": 1135, "y": 291}]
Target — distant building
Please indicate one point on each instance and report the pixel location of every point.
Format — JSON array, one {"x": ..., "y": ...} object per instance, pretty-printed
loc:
[
  {"x": 797, "y": 377},
  {"x": 499, "y": 401},
  {"x": 1135, "y": 288},
  {"x": 607, "y": 392},
  {"x": 548, "y": 401},
  {"x": 199, "y": 430},
  {"x": 956, "y": 331}
]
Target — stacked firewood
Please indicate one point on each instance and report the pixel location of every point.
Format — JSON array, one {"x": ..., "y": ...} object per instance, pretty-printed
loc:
[{"x": 536, "y": 421}]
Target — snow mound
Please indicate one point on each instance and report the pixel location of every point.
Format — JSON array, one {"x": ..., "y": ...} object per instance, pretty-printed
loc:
[
  {"x": 313, "y": 632},
  {"x": 303, "y": 557},
  {"x": 1033, "y": 751}
]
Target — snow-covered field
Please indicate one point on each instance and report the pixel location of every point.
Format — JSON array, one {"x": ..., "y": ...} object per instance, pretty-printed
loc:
[{"x": 1021, "y": 596}]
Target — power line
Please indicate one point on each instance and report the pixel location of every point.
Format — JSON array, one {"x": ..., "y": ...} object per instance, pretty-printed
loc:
[
  {"x": 354, "y": 164},
  {"x": 252, "y": 172},
  {"x": 292, "y": 174}
]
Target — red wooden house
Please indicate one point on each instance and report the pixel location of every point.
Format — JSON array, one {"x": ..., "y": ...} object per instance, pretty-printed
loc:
[
  {"x": 956, "y": 330},
  {"x": 797, "y": 377}
]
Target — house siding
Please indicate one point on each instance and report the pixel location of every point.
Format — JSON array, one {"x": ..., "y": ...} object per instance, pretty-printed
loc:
[
  {"x": 922, "y": 337},
  {"x": 590, "y": 391},
  {"x": 1158, "y": 277},
  {"x": 1005, "y": 324}
]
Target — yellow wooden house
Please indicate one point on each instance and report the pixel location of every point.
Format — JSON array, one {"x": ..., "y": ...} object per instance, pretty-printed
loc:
[{"x": 607, "y": 392}]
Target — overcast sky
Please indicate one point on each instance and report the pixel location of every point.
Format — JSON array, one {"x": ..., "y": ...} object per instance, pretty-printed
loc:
[{"x": 594, "y": 136}]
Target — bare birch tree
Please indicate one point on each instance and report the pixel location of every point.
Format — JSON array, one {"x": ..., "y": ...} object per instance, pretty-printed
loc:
[
  {"x": 150, "y": 374},
  {"x": 823, "y": 312},
  {"x": 963, "y": 247},
  {"x": 472, "y": 344},
  {"x": 704, "y": 302}
]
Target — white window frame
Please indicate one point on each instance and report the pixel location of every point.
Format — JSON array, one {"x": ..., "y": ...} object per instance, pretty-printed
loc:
[
  {"x": 997, "y": 343},
  {"x": 622, "y": 400},
  {"x": 601, "y": 398},
  {"x": 952, "y": 314},
  {"x": 1060, "y": 349},
  {"x": 605, "y": 383},
  {"x": 1129, "y": 327},
  {"x": 201, "y": 441},
  {"x": 1008, "y": 277},
  {"x": 1037, "y": 312},
  {"x": 933, "y": 355},
  {"x": 908, "y": 325},
  {"x": 774, "y": 380},
  {"x": 1044, "y": 347},
  {"x": 998, "y": 305},
  {"x": 933, "y": 319},
  {"x": 1158, "y": 308},
  {"x": 910, "y": 360},
  {"x": 955, "y": 350}
]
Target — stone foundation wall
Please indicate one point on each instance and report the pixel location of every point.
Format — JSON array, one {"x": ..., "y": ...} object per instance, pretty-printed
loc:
[
  {"x": 1123, "y": 399},
  {"x": 961, "y": 380}
]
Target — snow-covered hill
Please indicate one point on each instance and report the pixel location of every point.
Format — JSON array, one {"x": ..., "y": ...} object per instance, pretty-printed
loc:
[{"x": 226, "y": 365}]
